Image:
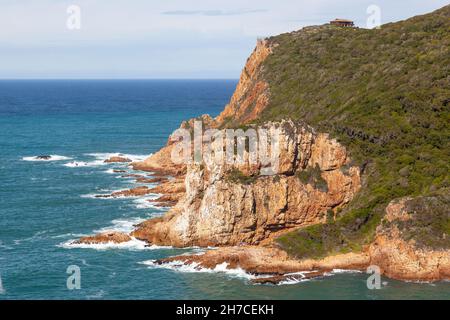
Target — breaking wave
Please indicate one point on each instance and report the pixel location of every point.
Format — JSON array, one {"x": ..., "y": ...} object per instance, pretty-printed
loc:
[
  {"x": 107, "y": 155},
  {"x": 180, "y": 266},
  {"x": 143, "y": 203},
  {"x": 121, "y": 225},
  {"x": 100, "y": 160},
  {"x": 52, "y": 157},
  {"x": 133, "y": 244}
]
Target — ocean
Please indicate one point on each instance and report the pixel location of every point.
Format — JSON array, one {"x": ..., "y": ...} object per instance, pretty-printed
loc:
[{"x": 45, "y": 205}]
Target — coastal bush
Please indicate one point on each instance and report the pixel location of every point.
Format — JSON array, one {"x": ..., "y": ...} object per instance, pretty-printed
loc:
[
  {"x": 313, "y": 176},
  {"x": 237, "y": 176}
]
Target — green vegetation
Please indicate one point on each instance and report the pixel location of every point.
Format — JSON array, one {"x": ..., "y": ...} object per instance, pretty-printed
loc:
[
  {"x": 313, "y": 177},
  {"x": 348, "y": 233},
  {"x": 237, "y": 176},
  {"x": 385, "y": 94},
  {"x": 429, "y": 225}
]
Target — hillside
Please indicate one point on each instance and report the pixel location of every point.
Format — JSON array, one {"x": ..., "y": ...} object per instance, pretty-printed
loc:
[{"x": 385, "y": 95}]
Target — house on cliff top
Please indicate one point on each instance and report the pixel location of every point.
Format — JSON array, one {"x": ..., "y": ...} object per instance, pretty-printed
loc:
[{"x": 342, "y": 23}]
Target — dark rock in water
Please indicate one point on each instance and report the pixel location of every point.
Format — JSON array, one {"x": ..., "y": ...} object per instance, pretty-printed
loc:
[{"x": 44, "y": 157}]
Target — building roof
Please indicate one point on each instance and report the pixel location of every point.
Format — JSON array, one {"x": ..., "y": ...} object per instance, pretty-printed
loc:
[{"x": 343, "y": 20}]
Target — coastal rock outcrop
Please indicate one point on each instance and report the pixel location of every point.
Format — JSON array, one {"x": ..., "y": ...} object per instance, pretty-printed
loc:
[
  {"x": 401, "y": 258},
  {"x": 117, "y": 159},
  {"x": 229, "y": 205},
  {"x": 134, "y": 192},
  {"x": 396, "y": 257},
  {"x": 105, "y": 237},
  {"x": 160, "y": 162},
  {"x": 261, "y": 260}
]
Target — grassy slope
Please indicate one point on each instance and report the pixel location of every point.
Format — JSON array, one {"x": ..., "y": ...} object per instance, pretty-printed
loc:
[{"x": 385, "y": 94}]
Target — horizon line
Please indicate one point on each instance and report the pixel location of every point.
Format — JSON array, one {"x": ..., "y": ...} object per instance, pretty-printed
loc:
[{"x": 112, "y": 79}]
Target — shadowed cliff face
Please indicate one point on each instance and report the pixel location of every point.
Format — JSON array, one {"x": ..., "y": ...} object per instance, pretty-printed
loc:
[{"x": 221, "y": 207}]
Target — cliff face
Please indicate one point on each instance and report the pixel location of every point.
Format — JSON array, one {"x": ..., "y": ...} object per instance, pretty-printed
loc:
[
  {"x": 249, "y": 99},
  {"x": 251, "y": 95},
  {"x": 220, "y": 208}
]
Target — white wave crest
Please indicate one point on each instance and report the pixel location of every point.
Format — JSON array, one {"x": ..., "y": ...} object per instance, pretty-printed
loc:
[
  {"x": 133, "y": 245},
  {"x": 118, "y": 171},
  {"x": 143, "y": 203},
  {"x": 106, "y": 155},
  {"x": 100, "y": 160},
  {"x": 53, "y": 157},
  {"x": 195, "y": 267},
  {"x": 69, "y": 235},
  {"x": 335, "y": 271},
  {"x": 80, "y": 164},
  {"x": 296, "y": 277},
  {"x": 125, "y": 225}
]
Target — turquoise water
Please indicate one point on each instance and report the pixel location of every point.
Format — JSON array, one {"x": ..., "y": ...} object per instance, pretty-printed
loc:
[{"x": 46, "y": 204}]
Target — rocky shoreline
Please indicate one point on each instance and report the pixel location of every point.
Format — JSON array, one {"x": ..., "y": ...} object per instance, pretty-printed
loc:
[
  {"x": 397, "y": 258},
  {"x": 241, "y": 212}
]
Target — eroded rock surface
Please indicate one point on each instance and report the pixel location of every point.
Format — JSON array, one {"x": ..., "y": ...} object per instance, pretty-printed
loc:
[{"x": 219, "y": 210}]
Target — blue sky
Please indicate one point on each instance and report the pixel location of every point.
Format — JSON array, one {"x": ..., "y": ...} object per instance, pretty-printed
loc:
[{"x": 162, "y": 38}]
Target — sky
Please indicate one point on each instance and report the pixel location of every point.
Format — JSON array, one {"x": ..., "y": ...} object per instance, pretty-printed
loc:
[{"x": 161, "y": 39}]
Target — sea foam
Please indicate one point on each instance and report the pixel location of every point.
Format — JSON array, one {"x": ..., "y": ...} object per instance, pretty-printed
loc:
[
  {"x": 133, "y": 245},
  {"x": 180, "y": 266},
  {"x": 106, "y": 155},
  {"x": 53, "y": 157},
  {"x": 125, "y": 225},
  {"x": 80, "y": 164},
  {"x": 100, "y": 160}
]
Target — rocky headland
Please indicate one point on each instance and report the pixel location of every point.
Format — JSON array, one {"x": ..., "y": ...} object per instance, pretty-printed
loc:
[{"x": 344, "y": 196}]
